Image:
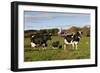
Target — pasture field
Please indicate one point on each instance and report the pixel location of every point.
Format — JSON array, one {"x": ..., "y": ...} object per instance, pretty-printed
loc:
[{"x": 38, "y": 54}]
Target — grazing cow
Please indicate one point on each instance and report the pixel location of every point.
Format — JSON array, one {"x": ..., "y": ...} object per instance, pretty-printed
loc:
[
  {"x": 40, "y": 40},
  {"x": 56, "y": 45},
  {"x": 72, "y": 39}
]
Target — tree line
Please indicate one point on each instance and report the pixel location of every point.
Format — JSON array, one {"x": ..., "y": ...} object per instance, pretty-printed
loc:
[{"x": 54, "y": 31}]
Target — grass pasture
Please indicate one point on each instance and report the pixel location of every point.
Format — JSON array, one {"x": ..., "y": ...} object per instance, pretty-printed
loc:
[{"x": 38, "y": 54}]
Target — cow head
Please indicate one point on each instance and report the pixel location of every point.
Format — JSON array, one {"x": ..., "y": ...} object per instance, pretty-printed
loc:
[
  {"x": 49, "y": 36},
  {"x": 78, "y": 34}
]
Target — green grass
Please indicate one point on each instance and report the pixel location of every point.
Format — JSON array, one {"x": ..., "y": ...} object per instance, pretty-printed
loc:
[{"x": 38, "y": 54}]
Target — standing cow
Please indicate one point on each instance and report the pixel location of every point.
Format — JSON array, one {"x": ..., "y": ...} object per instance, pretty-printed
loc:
[
  {"x": 40, "y": 40},
  {"x": 72, "y": 39}
]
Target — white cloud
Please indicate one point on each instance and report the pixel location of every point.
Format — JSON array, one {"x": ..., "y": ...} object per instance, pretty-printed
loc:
[{"x": 49, "y": 15}]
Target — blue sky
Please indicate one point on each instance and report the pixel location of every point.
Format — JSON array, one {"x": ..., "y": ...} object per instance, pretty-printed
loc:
[{"x": 46, "y": 20}]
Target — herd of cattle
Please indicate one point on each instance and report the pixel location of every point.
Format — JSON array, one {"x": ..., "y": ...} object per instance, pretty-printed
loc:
[{"x": 41, "y": 40}]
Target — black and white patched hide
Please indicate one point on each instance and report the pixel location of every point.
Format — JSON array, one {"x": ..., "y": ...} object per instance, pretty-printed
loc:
[
  {"x": 72, "y": 39},
  {"x": 40, "y": 40}
]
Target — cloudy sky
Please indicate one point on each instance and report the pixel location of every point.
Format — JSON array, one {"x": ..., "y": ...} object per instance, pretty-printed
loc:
[{"x": 46, "y": 20}]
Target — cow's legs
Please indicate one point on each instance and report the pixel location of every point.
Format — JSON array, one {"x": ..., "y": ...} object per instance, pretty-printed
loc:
[
  {"x": 64, "y": 46},
  {"x": 65, "y": 43},
  {"x": 44, "y": 48},
  {"x": 73, "y": 45},
  {"x": 76, "y": 45}
]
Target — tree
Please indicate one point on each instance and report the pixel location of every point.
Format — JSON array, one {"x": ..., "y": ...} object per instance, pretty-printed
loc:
[
  {"x": 86, "y": 31},
  {"x": 73, "y": 29}
]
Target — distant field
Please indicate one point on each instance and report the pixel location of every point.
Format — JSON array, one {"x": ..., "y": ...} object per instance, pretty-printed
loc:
[{"x": 37, "y": 54}]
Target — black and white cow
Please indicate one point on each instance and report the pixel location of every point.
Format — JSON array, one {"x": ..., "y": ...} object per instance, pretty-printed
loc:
[
  {"x": 56, "y": 45},
  {"x": 72, "y": 39},
  {"x": 40, "y": 40}
]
